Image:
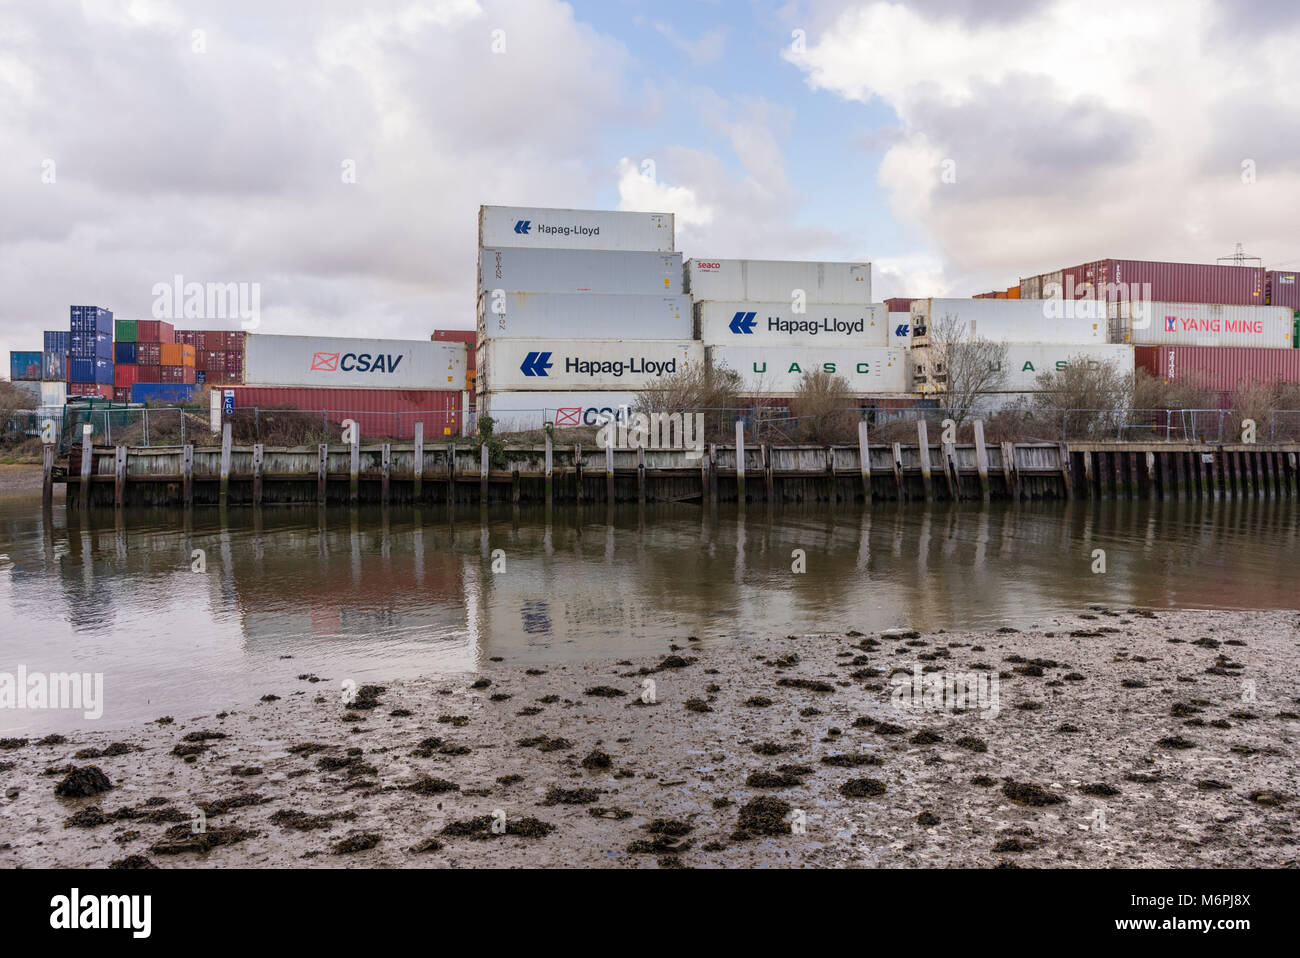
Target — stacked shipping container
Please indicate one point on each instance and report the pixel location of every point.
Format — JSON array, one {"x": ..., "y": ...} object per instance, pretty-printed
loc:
[{"x": 90, "y": 352}]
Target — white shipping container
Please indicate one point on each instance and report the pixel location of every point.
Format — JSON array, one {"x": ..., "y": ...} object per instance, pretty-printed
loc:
[
  {"x": 583, "y": 316},
  {"x": 1201, "y": 324},
  {"x": 767, "y": 281},
  {"x": 778, "y": 370},
  {"x": 517, "y": 411},
  {"x": 353, "y": 363},
  {"x": 574, "y": 364},
  {"x": 538, "y": 228},
  {"x": 579, "y": 271},
  {"x": 900, "y": 330},
  {"x": 54, "y": 393},
  {"x": 1052, "y": 321},
  {"x": 776, "y": 324},
  {"x": 1024, "y": 363}
]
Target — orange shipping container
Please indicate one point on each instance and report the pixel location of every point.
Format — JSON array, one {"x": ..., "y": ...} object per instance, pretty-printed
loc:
[
  {"x": 177, "y": 354},
  {"x": 1013, "y": 292}
]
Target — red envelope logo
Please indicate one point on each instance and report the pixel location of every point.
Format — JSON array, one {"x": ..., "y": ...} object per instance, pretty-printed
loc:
[
  {"x": 325, "y": 362},
  {"x": 568, "y": 416}
]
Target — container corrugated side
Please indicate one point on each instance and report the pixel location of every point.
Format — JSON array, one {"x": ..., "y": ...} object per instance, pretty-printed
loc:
[
  {"x": 1024, "y": 363},
  {"x": 162, "y": 392},
  {"x": 778, "y": 370},
  {"x": 518, "y": 411},
  {"x": 541, "y": 228},
  {"x": 54, "y": 366},
  {"x": 1120, "y": 280},
  {"x": 1282, "y": 288},
  {"x": 776, "y": 324},
  {"x": 379, "y": 412},
  {"x": 353, "y": 363},
  {"x": 57, "y": 341},
  {"x": 1057, "y": 322},
  {"x": 583, "y": 316},
  {"x": 900, "y": 330},
  {"x": 26, "y": 365},
  {"x": 507, "y": 365},
  {"x": 579, "y": 271},
  {"x": 1219, "y": 368},
  {"x": 1201, "y": 324},
  {"x": 774, "y": 281},
  {"x": 54, "y": 394}
]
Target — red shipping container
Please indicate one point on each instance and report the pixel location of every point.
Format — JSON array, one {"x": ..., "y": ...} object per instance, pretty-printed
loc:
[
  {"x": 1283, "y": 288},
  {"x": 154, "y": 331},
  {"x": 1224, "y": 369},
  {"x": 1119, "y": 280},
  {"x": 122, "y": 393},
  {"x": 148, "y": 354},
  {"x": 124, "y": 375},
  {"x": 151, "y": 373},
  {"x": 235, "y": 362},
  {"x": 185, "y": 336},
  {"x": 899, "y": 304},
  {"x": 379, "y": 412},
  {"x": 103, "y": 391},
  {"x": 176, "y": 374}
]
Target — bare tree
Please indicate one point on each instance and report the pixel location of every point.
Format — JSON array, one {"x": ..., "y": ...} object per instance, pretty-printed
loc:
[
  {"x": 962, "y": 366},
  {"x": 1097, "y": 393},
  {"x": 697, "y": 388},
  {"x": 823, "y": 405}
]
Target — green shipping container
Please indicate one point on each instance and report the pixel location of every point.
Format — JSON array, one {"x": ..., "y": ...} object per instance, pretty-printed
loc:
[{"x": 124, "y": 331}]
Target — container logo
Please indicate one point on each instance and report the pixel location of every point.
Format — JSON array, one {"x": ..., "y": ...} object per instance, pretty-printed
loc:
[
  {"x": 522, "y": 227},
  {"x": 901, "y": 330},
  {"x": 536, "y": 364},
  {"x": 743, "y": 323},
  {"x": 1171, "y": 324},
  {"x": 355, "y": 362},
  {"x": 568, "y": 416},
  {"x": 325, "y": 362}
]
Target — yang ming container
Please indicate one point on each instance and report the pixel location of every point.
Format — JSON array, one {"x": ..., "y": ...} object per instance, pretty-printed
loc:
[
  {"x": 353, "y": 363},
  {"x": 779, "y": 370},
  {"x": 1048, "y": 321},
  {"x": 1023, "y": 364},
  {"x": 380, "y": 413},
  {"x": 1219, "y": 368},
  {"x": 519, "y": 411},
  {"x": 1201, "y": 324},
  {"x": 583, "y": 316},
  {"x": 762, "y": 324},
  {"x": 24, "y": 365},
  {"x": 537, "y": 228},
  {"x": 579, "y": 271},
  {"x": 765, "y": 281},
  {"x": 573, "y": 364}
]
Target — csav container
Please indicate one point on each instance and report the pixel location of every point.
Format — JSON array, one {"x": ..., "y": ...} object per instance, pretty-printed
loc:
[
  {"x": 353, "y": 363},
  {"x": 1055, "y": 322},
  {"x": 124, "y": 352},
  {"x": 570, "y": 364},
  {"x": 778, "y": 281},
  {"x": 26, "y": 365},
  {"x": 519, "y": 411},
  {"x": 540, "y": 228},
  {"x": 776, "y": 324},
  {"x": 779, "y": 370},
  {"x": 162, "y": 392},
  {"x": 1023, "y": 364},
  {"x": 583, "y": 316},
  {"x": 579, "y": 271},
  {"x": 1219, "y": 368},
  {"x": 1201, "y": 324},
  {"x": 378, "y": 412}
]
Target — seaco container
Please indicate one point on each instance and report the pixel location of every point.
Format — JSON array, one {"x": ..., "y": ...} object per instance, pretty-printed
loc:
[
  {"x": 583, "y": 316},
  {"x": 1201, "y": 324},
  {"x": 779, "y": 370},
  {"x": 762, "y": 281},
  {"x": 579, "y": 271},
  {"x": 539, "y": 228},
  {"x": 575, "y": 364},
  {"x": 776, "y": 324},
  {"x": 26, "y": 365},
  {"x": 353, "y": 363},
  {"x": 1219, "y": 368},
  {"x": 517, "y": 411},
  {"x": 1024, "y": 363},
  {"x": 1009, "y": 321},
  {"x": 379, "y": 413}
]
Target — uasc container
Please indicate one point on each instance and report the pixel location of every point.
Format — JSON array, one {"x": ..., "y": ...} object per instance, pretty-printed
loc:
[
  {"x": 819, "y": 324},
  {"x": 1022, "y": 365},
  {"x": 583, "y": 316},
  {"x": 780, "y": 370},
  {"x": 1009, "y": 321},
  {"x": 579, "y": 271},
  {"x": 535, "y": 227},
  {"x": 765, "y": 281}
]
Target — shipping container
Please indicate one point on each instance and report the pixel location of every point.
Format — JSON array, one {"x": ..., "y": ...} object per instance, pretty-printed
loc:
[
  {"x": 579, "y": 271},
  {"x": 54, "y": 367},
  {"x": 538, "y": 228},
  {"x": 58, "y": 341},
  {"x": 154, "y": 331},
  {"x": 379, "y": 412},
  {"x": 176, "y": 354},
  {"x": 91, "y": 319},
  {"x": 148, "y": 354},
  {"x": 583, "y": 316},
  {"x": 900, "y": 330},
  {"x": 1219, "y": 368},
  {"x": 1121, "y": 280},
  {"x": 148, "y": 372},
  {"x": 1024, "y": 363},
  {"x": 519, "y": 411},
  {"x": 174, "y": 393},
  {"x": 776, "y": 324},
  {"x": 506, "y": 365},
  {"x": 176, "y": 374},
  {"x": 467, "y": 336},
  {"x": 124, "y": 330},
  {"x": 779, "y": 370},
  {"x": 767, "y": 281},
  {"x": 54, "y": 394},
  {"x": 1011, "y": 320},
  {"x": 83, "y": 390},
  {"x": 1201, "y": 324},
  {"x": 121, "y": 393},
  {"x": 124, "y": 352},
  {"x": 124, "y": 376},
  {"x": 899, "y": 304},
  {"x": 1031, "y": 287},
  {"x": 1013, "y": 292},
  {"x": 1282, "y": 288},
  {"x": 353, "y": 363},
  {"x": 91, "y": 345},
  {"x": 190, "y": 337},
  {"x": 99, "y": 371},
  {"x": 26, "y": 365}
]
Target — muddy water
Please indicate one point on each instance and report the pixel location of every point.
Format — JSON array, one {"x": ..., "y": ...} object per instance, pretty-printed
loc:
[{"x": 372, "y": 595}]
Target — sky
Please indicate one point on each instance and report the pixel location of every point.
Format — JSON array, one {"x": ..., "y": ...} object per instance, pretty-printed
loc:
[{"x": 335, "y": 153}]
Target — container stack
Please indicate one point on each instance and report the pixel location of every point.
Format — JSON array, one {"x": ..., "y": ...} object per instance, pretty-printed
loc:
[
  {"x": 218, "y": 355},
  {"x": 746, "y": 319},
  {"x": 90, "y": 352},
  {"x": 577, "y": 311},
  {"x": 54, "y": 367}
]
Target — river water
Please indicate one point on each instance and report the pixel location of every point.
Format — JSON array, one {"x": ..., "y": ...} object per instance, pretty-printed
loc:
[{"x": 378, "y": 594}]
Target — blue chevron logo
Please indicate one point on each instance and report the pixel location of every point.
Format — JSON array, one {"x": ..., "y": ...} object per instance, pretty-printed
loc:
[
  {"x": 742, "y": 323},
  {"x": 536, "y": 364},
  {"x": 522, "y": 226},
  {"x": 902, "y": 331}
]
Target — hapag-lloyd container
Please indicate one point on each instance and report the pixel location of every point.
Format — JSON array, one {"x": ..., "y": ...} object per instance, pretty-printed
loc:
[
  {"x": 1219, "y": 368},
  {"x": 583, "y": 316},
  {"x": 379, "y": 412},
  {"x": 1201, "y": 324},
  {"x": 579, "y": 271},
  {"x": 776, "y": 324},
  {"x": 769, "y": 281},
  {"x": 353, "y": 363},
  {"x": 573, "y": 364},
  {"x": 539, "y": 228},
  {"x": 517, "y": 411},
  {"x": 1024, "y": 363},
  {"x": 1056, "y": 322},
  {"x": 778, "y": 370},
  {"x": 900, "y": 330}
]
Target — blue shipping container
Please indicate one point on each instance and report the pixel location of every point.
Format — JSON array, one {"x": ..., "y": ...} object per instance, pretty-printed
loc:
[
  {"x": 91, "y": 346},
  {"x": 92, "y": 319},
  {"x": 162, "y": 392},
  {"x": 58, "y": 341},
  {"x": 54, "y": 367},
  {"x": 98, "y": 371},
  {"x": 124, "y": 353},
  {"x": 25, "y": 365}
]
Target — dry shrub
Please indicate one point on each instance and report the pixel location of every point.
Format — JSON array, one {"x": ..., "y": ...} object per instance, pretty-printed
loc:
[
  {"x": 712, "y": 390},
  {"x": 824, "y": 406}
]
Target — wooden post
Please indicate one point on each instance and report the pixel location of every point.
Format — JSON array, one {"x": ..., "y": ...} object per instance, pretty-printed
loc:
[
  {"x": 549, "y": 464},
  {"x": 417, "y": 463},
  {"x": 87, "y": 460},
  {"x": 864, "y": 462},
  {"x": 1105, "y": 481},
  {"x": 1150, "y": 463},
  {"x": 354, "y": 468},
  {"x": 898, "y": 471},
  {"x": 257, "y": 474},
  {"x": 223, "y": 495},
  {"x": 950, "y": 470},
  {"x": 830, "y": 474},
  {"x": 740, "y": 461},
  {"x": 1234, "y": 474},
  {"x": 1087, "y": 472},
  {"x": 1268, "y": 475},
  {"x": 704, "y": 478},
  {"x": 1291, "y": 470},
  {"x": 47, "y": 475},
  {"x": 483, "y": 468},
  {"x": 923, "y": 449},
  {"x": 385, "y": 471},
  {"x": 609, "y": 470},
  {"x": 322, "y": 472},
  {"x": 187, "y": 472},
  {"x": 451, "y": 475},
  {"x": 769, "y": 478},
  {"x": 514, "y": 485},
  {"x": 640, "y": 474},
  {"x": 713, "y": 473},
  {"x": 1065, "y": 469},
  {"x": 119, "y": 477},
  {"x": 981, "y": 459},
  {"x": 1009, "y": 473},
  {"x": 577, "y": 470}
]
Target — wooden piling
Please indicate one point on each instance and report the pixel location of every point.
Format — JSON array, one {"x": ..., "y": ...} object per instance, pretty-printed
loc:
[
  {"x": 950, "y": 470},
  {"x": 740, "y": 461},
  {"x": 322, "y": 472},
  {"x": 47, "y": 475},
  {"x": 119, "y": 477},
  {"x": 1009, "y": 472},
  {"x": 451, "y": 474},
  {"x": 898, "y": 471},
  {"x": 1065, "y": 469},
  {"x": 981, "y": 459},
  {"x": 923, "y": 450},
  {"x": 385, "y": 471},
  {"x": 713, "y": 473},
  {"x": 769, "y": 478},
  {"x": 257, "y": 474},
  {"x": 417, "y": 463},
  {"x": 1151, "y": 473},
  {"x": 1088, "y": 476},
  {"x": 864, "y": 460},
  {"x": 549, "y": 463},
  {"x": 577, "y": 470},
  {"x": 640, "y": 474},
  {"x": 224, "y": 494},
  {"x": 354, "y": 469},
  {"x": 187, "y": 475},
  {"x": 609, "y": 471},
  {"x": 1105, "y": 482},
  {"x": 483, "y": 464}
]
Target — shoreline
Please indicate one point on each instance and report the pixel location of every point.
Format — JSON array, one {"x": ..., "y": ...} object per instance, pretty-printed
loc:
[{"x": 1073, "y": 772}]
